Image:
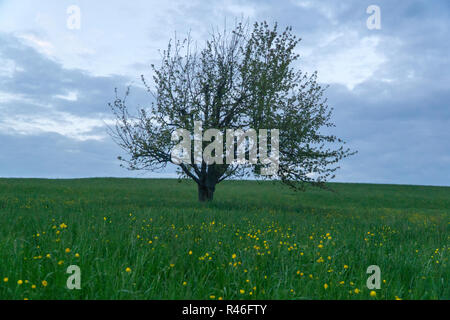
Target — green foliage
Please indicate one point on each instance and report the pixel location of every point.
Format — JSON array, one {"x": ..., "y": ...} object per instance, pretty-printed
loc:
[{"x": 243, "y": 79}]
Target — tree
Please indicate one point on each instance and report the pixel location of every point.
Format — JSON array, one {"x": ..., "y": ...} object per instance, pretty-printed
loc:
[{"x": 245, "y": 79}]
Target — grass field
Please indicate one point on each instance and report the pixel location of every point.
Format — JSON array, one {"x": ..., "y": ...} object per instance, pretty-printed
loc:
[{"x": 151, "y": 239}]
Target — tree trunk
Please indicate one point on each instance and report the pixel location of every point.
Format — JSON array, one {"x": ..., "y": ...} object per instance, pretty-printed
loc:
[{"x": 205, "y": 193}]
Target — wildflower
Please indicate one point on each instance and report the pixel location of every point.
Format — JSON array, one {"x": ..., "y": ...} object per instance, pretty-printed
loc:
[
  {"x": 60, "y": 262},
  {"x": 242, "y": 291},
  {"x": 172, "y": 265},
  {"x": 190, "y": 252},
  {"x": 220, "y": 298},
  {"x": 77, "y": 255},
  {"x": 325, "y": 286},
  {"x": 212, "y": 297},
  {"x": 5, "y": 279},
  {"x": 67, "y": 250},
  {"x": 128, "y": 269},
  {"x": 357, "y": 291},
  {"x": 373, "y": 293},
  {"x": 397, "y": 298},
  {"x": 44, "y": 283},
  {"x": 345, "y": 266},
  {"x": 184, "y": 283},
  {"x": 33, "y": 286},
  {"x": 48, "y": 256},
  {"x": 19, "y": 282},
  {"x": 233, "y": 256}
]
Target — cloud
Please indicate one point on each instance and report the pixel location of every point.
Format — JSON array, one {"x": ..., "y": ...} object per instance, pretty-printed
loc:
[
  {"x": 40, "y": 96},
  {"x": 389, "y": 87},
  {"x": 345, "y": 58}
]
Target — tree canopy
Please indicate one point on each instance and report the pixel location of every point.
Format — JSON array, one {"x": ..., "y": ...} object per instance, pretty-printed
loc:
[{"x": 248, "y": 80}]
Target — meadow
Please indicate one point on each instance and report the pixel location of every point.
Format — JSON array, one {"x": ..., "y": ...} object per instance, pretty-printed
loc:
[{"x": 152, "y": 239}]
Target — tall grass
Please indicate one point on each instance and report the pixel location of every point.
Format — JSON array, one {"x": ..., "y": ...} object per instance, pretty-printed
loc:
[{"x": 255, "y": 241}]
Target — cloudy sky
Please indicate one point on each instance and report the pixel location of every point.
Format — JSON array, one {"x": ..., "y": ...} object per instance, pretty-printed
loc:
[{"x": 389, "y": 87}]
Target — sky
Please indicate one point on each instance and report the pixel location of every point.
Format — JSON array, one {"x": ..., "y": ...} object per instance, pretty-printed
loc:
[{"x": 389, "y": 86}]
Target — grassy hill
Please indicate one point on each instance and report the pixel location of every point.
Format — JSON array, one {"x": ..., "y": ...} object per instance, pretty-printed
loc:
[{"x": 151, "y": 239}]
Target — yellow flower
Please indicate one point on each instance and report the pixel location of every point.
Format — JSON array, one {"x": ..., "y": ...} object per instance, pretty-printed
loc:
[
  {"x": 5, "y": 279},
  {"x": 33, "y": 286},
  {"x": 190, "y": 252},
  {"x": 242, "y": 291},
  {"x": 184, "y": 283},
  {"x": 397, "y": 298},
  {"x": 60, "y": 262},
  {"x": 172, "y": 265},
  {"x": 373, "y": 293},
  {"x": 357, "y": 291},
  {"x": 67, "y": 250},
  {"x": 233, "y": 256},
  {"x": 48, "y": 255},
  {"x": 345, "y": 266},
  {"x": 44, "y": 283},
  {"x": 128, "y": 269},
  {"x": 325, "y": 286},
  {"x": 77, "y": 255},
  {"x": 220, "y": 298},
  {"x": 19, "y": 282},
  {"x": 212, "y": 297}
]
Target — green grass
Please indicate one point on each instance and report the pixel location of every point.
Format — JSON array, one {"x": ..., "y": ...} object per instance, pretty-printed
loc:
[{"x": 279, "y": 239}]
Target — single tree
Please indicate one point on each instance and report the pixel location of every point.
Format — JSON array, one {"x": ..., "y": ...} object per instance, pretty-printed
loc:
[{"x": 245, "y": 79}]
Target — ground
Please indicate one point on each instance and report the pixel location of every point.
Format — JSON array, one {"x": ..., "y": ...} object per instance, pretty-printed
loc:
[{"x": 152, "y": 239}]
